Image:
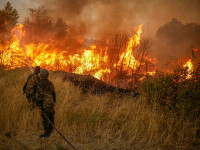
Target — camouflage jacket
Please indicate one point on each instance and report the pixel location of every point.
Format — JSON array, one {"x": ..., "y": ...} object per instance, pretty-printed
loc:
[
  {"x": 45, "y": 95},
  {"x": 31, "y": 84}
]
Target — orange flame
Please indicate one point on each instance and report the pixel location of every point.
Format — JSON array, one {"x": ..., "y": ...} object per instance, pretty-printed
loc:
[
  {"x": 91, "y": 61},
  {"x": 151, "y": 73},
  {"x": 189, "y": 66},
  {"x": 195, "y": 50},
  {"x": 127, "y": 60},
  {"x": 99, "y": 74}
]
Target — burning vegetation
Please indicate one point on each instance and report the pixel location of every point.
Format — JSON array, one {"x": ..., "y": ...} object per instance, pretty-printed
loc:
[
  {"x": 166, "y": 114},
  {"x": 16, "y": 54},
  {"x": 122, "y": 60},
  {"x": 96, "y": 61}
]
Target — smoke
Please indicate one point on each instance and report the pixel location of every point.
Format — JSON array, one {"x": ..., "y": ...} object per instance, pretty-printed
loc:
[
  {"x": 19, "y": 36},
  {"x": 121, "y": 15},
  {"x": 175, "y": 40},
  {"x": 99, "y": 16}
]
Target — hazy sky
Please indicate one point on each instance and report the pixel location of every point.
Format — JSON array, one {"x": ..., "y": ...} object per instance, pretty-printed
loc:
[
  {"x": 21, "y": 6},
  {"x": 112, "y": 15}
]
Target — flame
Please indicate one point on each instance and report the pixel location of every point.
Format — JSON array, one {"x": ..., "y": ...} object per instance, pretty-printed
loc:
[
  {"x": 189, "y": 66},
  {"x": 195, "y": 50},
  {"x": 99, "y": 74},
  {"x": 11, "y": 52},
  {"x": 92, "y": 61},
  {"x": 80, "y": 40},
  {"x": 151, "y": 60},
  {"x": 151, "y": 73},
  {"x": 148, "y": 73},
  {"x": 89, "y": 62},
  {"x": 127, "y": 61}
]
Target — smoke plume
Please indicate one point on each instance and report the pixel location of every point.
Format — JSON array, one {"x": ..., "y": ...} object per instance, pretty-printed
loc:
[{"x": 122, "y": 15}]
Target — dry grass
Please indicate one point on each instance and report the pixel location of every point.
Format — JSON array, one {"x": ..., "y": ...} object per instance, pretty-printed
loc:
[{"x": 88, "y": 121}]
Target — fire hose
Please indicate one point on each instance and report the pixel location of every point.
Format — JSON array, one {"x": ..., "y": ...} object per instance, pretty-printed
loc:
[{"x": 57, "y": 130}]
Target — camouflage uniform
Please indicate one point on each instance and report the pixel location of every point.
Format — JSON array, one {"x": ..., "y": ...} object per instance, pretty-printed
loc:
[
  {"x": 30, "y": 86},
  {"x": 45, "y": 95}
]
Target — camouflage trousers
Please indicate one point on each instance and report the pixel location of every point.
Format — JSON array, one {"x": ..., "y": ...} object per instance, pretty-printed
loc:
[
  {"x": 31, "y": 100},
  {"x": 48, "y": 128}
]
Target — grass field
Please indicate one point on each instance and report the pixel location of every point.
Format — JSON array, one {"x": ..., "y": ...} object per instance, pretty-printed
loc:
[{"x": 88, "y": 121}]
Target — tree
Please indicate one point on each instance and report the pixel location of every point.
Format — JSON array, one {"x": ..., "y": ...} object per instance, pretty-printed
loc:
[
  {"x": 42, "y": 19},
  {"x": 39, "y": 25},
  {"x": 61, "y": 27},
  {"x": 8, "y": 19}
]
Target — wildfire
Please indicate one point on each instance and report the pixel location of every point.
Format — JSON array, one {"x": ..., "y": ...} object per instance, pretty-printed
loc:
[
  {"x": 100, "y": 72},
  {"x": 151, "y": 73},
  {"x": 11, "y": 53},
  {"x": 127, "y": 60},
  {"x": 189, "y": 66},
  {"x": 89, "y": 62},
  {"x": 15, "y": 54},
  {"x": 93, "y": 60},
  {"x": 195, "y": 50}
]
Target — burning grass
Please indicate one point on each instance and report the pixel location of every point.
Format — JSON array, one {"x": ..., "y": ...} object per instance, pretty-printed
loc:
[
  {"x": 92, "y": 122},
  {"x": 108, "y": 59}
]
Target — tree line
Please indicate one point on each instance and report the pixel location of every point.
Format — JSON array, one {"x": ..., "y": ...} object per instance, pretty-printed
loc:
[{"x": 39, "y": 25}]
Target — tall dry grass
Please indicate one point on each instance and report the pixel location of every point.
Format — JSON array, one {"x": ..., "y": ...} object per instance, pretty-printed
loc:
[{"x": 88, "y": 121}]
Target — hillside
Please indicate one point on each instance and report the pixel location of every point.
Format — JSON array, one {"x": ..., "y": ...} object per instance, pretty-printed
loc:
[{"x": 88, "y": 121}]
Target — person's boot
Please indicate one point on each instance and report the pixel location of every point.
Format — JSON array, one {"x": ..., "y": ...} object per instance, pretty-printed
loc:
[{"x": 46, "y": 134}]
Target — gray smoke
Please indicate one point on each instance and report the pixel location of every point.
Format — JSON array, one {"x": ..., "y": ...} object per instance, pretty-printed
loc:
[{"x": 122, "y": 15}]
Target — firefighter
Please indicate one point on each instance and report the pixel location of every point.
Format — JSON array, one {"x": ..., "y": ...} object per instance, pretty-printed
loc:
[
  {"x": 30, "y": 86},
  {"x": 45, "y": 99}
]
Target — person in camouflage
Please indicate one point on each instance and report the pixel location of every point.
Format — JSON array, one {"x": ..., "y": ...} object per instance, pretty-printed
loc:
[
  {"x": 31, "y": 84},
  {"x": 46, "y": 97}
]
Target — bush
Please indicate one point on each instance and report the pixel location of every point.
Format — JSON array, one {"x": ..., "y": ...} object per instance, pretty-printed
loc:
[{"x": 175, "y": 92}]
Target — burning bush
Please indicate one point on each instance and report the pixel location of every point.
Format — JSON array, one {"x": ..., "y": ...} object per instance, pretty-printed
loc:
[{"x": 176, "y": 92}]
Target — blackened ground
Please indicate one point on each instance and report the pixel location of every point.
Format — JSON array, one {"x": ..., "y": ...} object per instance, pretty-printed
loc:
[{"x": 91, "y": 84}]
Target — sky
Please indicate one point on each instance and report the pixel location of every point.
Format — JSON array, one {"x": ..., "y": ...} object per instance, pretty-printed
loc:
[{"x": 21, "y": 6}]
